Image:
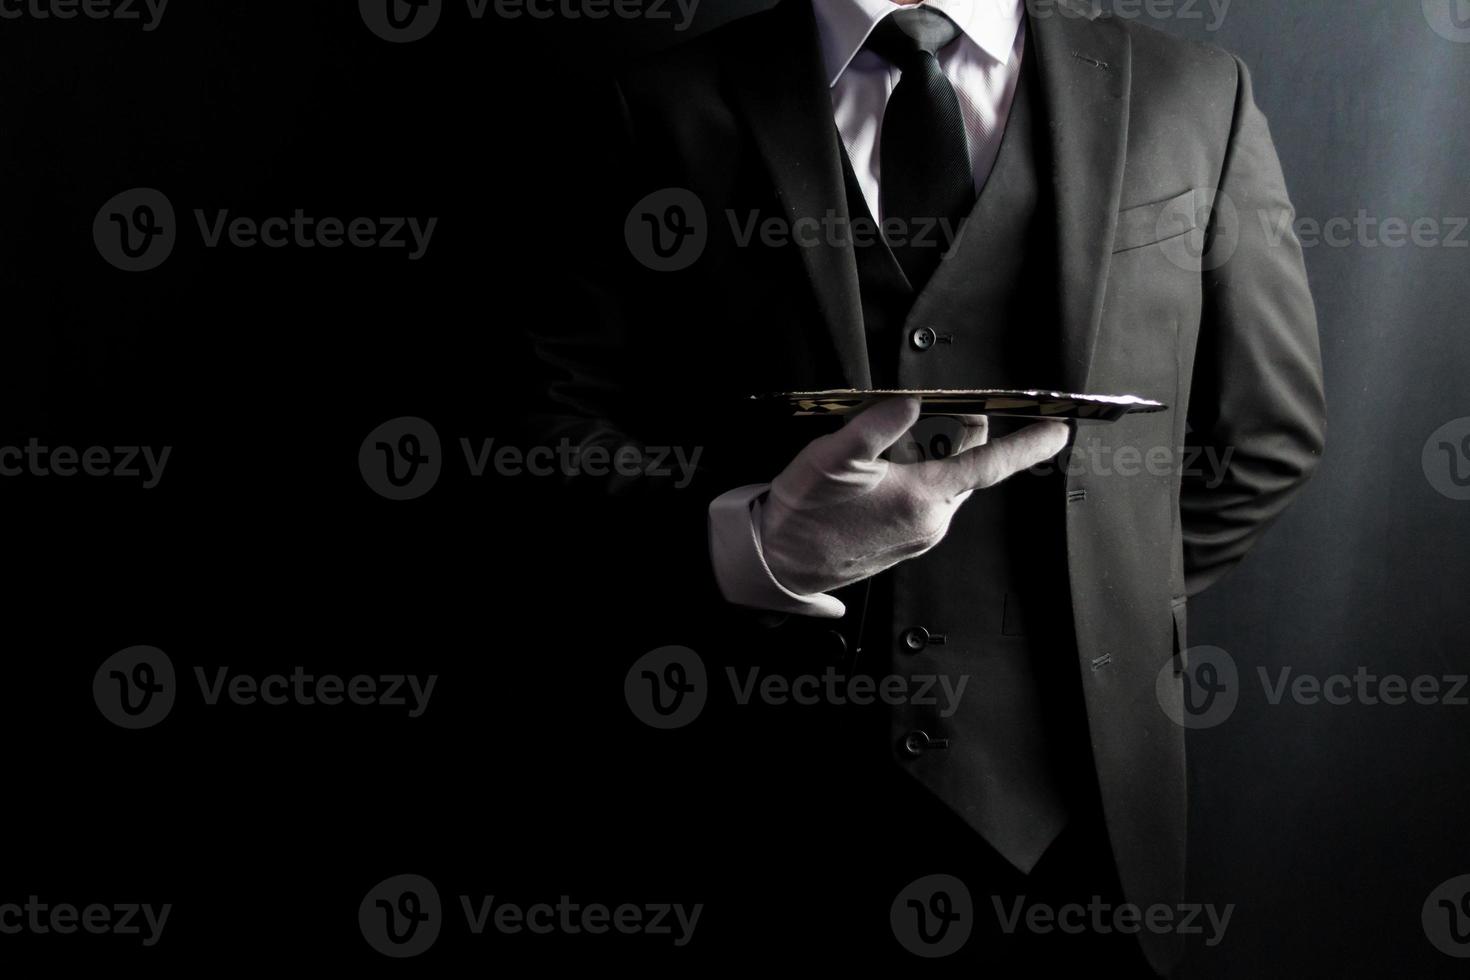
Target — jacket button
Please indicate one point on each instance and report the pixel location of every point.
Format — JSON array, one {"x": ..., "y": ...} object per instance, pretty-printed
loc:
[
  {"x": 923, "y": 338},
  {"x": 836, "y": 646},
  {"x": 916, "y": 637},
  {"x": 915, "y": 743}
]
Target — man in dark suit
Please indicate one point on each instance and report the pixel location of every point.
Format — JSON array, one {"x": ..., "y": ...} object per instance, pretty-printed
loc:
[{"x": 1067, "y": 201}]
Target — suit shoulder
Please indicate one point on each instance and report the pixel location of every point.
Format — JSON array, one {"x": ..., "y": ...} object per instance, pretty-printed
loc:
[
  {"x": 1194, "y": 78},
  {"x": 1199, "y": 71}
]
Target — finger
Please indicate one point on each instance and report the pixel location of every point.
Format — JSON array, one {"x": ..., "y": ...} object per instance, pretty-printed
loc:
[
  {"x": 976, "y": 432},
  {"x": 871, "y": 431},
  {"x": 939, "y": 437},
  {"x": 1000, "y": 458}
]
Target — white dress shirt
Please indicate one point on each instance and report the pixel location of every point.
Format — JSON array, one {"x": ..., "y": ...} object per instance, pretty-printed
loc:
[{"x": 983, "y": 65}]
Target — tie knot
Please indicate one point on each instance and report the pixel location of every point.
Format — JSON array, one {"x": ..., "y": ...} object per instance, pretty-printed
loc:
[{"x": 904, "y": 35}]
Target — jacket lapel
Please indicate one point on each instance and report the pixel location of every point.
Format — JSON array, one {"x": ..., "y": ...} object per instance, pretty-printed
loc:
[
  {"x": 779, "y": 87},
  {"x": 1086, "y": 72}
]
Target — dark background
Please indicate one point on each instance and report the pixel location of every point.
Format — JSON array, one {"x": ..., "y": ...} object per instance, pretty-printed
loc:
[{"x": 262, "y": 548}]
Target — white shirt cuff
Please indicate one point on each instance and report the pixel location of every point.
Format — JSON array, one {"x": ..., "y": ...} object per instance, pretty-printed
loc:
[{"x": 740, "y": 566}]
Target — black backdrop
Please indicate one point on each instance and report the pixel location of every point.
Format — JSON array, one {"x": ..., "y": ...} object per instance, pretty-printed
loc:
[{"x": 261, "y": 548}]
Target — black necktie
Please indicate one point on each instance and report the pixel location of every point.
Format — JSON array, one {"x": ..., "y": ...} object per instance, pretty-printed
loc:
[{"x": 926, "y": 175}]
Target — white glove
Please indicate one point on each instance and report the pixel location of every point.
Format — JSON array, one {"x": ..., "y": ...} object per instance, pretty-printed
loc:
[{"x": 839, "y": 514}]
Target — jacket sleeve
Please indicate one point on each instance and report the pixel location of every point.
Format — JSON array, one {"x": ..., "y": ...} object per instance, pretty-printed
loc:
[
  {"x": 601, "y": 398},
  {"x": 1257, "y": 402}
]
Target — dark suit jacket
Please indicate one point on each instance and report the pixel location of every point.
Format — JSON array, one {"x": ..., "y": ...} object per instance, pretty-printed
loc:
[{"x": 1143, "y": 130}]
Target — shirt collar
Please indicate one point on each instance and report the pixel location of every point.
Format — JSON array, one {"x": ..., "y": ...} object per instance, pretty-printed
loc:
[{"x": 844, "y": 25}]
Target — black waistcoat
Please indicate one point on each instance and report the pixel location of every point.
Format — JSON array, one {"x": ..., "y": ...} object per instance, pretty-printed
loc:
[{"x": 990, "y": 603}]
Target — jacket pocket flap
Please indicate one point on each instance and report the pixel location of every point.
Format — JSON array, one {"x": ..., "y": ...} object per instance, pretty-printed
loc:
[{"x": 1157, "y": 222}]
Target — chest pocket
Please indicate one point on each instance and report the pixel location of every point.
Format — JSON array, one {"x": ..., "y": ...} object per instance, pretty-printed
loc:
[{"x": 1159, "y": 221}]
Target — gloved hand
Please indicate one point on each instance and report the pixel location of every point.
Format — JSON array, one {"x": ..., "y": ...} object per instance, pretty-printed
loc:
[{"x": 839, "y": 514}]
